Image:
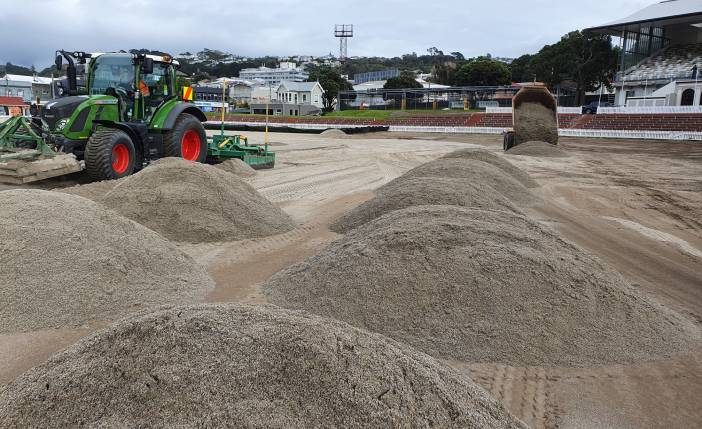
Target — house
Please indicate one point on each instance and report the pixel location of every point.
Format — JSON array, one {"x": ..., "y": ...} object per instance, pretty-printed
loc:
[
  {"x": 26, "y": 87},
  {"x": 13, "y": 106},
  {"x": 263, "y": 94},
  {"x": 301, "y": 93},
  {"x": 278, "y": 108}
]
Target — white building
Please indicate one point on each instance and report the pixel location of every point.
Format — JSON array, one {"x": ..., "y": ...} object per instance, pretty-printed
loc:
[
  {"x": 263, "y": 94},
  {"x": 301, "y": 93},
  {"x": 284, "y": 72},
  {"x": 662, "y": 61}
]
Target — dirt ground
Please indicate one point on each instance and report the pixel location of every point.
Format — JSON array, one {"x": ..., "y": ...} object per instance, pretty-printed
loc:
[{"x": 636, "y": 204}]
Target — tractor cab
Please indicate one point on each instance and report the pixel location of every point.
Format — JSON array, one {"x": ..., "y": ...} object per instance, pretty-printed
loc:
[{"x": 139, "y": 83}]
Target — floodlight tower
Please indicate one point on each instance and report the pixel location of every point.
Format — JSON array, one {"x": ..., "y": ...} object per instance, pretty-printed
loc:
[{"x": 343, "y": 32}]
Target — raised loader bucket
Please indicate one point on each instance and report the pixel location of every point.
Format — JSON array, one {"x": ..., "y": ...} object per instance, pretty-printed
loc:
[
  {"x": 25, "y": 157},
  {"x": 534, "y": 114}
]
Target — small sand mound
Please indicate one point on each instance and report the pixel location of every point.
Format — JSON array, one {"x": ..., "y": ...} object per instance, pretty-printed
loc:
[
  {"x": 538, "y": 148},
  {"x": 334, "y": 133},
  {"x": 417, "y": 191},
  {"x": 480, "y": 173},
  {"x": 224, "y": 365},
  {"x": 496, "y": 160},
  {"x": 482, "y": 286},
  {"x": 92, "y": 191},
  {"x": 237, "y": 167},
  {"x": 534, "y": 121},
  {"x": 65, "y": 261},
  {"x": 186, "y": 201}
]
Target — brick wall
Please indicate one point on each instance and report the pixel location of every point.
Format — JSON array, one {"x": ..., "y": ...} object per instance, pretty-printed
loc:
[{"x": 643, "y": 122}]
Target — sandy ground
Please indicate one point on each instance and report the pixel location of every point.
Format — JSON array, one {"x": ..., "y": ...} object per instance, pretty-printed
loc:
[{"x": 636, "y": 204}]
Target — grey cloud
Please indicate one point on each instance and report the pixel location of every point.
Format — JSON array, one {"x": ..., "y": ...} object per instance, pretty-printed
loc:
[{"x": 30, "y": 30}]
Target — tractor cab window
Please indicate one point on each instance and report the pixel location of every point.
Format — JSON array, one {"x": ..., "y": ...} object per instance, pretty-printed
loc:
[
  {"x": 155, "y": 87},
  {"x": 112, "y": 72},
  {"x": 114, "y": 75}
]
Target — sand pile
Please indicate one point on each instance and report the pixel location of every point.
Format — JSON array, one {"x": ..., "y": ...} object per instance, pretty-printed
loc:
[
  {"x": 534, "y": 121},
  {"x": 186, "y": 201},
  {"x": 480, "y": 173},
  {"x": 334, "y": 133},
  {"x": 65, "y": 260},
  {"x": 482, "y": 286},
  {"x": 417, "y": 191},
  {"x": 496, "y": 160},
  {"x": 237, "y": 167},
  {"x": 220, "y": 365},
  {"x": 92, "y": 191},
  {"x": 538, "y": 148}
]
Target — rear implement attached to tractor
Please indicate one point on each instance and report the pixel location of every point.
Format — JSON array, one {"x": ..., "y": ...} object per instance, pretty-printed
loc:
[{"x": 128, "y": 113}]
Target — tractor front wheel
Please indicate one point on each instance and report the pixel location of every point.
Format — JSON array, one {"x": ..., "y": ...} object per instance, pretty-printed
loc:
[
  {"x": 109, "y": 155},
  {"x": 187, "y": 139}
]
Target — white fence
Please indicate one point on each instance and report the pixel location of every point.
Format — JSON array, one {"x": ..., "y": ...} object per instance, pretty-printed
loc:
[
  {"x": 638, "y": 110},
  {"x": 628, "y": 110},
  {"x": 576, "y": 110}
]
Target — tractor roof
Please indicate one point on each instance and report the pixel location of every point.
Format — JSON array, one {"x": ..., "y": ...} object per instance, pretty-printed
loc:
[{"x": 157, "y": 58}]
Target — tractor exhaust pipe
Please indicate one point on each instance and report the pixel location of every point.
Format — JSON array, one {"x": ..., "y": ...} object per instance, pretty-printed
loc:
[{"x": 71, "y": 72}]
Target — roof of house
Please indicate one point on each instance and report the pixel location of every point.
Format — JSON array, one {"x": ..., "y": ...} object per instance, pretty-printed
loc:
[
  {"x": 12, "y": 101},
  {"x": 664, "y": 12},
  {"x": 29, "y": 79},
  {"x": 300, "y": 86}
]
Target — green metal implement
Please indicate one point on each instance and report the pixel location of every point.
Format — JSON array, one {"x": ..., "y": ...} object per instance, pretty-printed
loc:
[
  {"x": 222, "y": 147},
  {"x": 18, "y": 140}
]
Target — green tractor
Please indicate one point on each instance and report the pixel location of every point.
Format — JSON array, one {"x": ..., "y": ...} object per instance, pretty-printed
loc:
[{"x": 128, "y": 113}]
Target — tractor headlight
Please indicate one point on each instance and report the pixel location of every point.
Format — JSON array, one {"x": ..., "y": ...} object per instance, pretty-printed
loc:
[{"x": 61, "y": 124}]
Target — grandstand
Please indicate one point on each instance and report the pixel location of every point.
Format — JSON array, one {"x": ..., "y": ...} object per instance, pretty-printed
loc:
[{"x": 662, "y": 47}]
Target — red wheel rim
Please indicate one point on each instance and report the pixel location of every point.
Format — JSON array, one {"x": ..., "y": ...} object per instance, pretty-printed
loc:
[
  {"x": 120, "y": 158},
  {"x": 190, "y": 145}
]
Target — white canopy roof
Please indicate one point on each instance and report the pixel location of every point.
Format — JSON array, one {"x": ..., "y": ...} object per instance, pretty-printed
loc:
[{"x": 671, "y": 11}]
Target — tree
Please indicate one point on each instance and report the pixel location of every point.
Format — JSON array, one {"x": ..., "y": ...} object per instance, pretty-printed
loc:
[
  {"x": 404, "y": 81},
  {"x": 587, "y": 60},
  {"x": 521, "y": 69},
  {"x": 459, "y": 56},
  {"x": 332, "y": 82},
  {"x": 483, "y": 72}
]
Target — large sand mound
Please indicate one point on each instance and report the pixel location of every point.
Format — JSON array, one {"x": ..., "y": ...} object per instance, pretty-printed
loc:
[
  {"x": 241, "y": 366},
  {"x": 237, "y": 167},
  {"x": 480, "y": 173},
  {"x": 538, "y": 148},
  {"x": 496, "y": 160},
  {"x": 482, "y": 286},
  {"x": 65, "y": 261},
  {"x": 417, "y": 191},
  {"x": 194, "y": 202}
]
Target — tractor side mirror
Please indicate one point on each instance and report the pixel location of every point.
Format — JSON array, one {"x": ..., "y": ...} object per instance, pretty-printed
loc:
[
  {"x": 59, "y": 62},
  {"x": 147, "y": 67}
]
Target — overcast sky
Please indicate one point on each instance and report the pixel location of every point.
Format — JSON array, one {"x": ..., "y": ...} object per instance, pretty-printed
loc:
[{"x": 31, "y": 30}]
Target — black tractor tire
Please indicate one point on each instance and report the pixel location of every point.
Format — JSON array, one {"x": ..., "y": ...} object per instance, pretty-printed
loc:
[
  {"x": 508, "y": 141},
  {"x": 187, "y": 139},
  {"x": 109, "y": 155}
]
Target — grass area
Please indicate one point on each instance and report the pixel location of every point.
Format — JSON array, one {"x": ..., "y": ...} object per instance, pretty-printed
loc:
[{"x": 385, "y": 114}]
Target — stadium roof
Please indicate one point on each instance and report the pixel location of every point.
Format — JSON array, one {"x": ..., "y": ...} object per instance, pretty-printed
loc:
[{"x": 669, "y": 12}]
